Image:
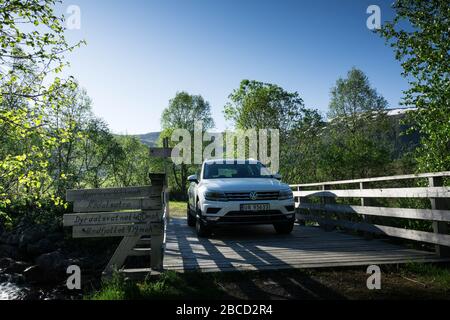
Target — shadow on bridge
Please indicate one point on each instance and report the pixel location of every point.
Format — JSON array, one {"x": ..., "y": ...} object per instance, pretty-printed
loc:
[{"x": 260, "y": 248}]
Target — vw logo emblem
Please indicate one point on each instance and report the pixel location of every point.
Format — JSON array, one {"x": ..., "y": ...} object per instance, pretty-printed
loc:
[{"x": 253, "y": 195}]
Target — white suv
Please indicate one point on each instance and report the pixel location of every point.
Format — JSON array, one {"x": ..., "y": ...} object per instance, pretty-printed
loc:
[{"x": 230, "y": 192}]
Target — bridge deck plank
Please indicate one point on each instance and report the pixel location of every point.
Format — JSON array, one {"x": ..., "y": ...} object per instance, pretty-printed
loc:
[{"x": 242, "y": 248}]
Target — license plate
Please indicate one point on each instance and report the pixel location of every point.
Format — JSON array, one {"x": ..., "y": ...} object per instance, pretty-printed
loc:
[{"x": 255, "y": 207}]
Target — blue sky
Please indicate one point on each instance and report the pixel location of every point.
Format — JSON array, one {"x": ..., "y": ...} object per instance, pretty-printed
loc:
[{"x": 141, "y": 52}]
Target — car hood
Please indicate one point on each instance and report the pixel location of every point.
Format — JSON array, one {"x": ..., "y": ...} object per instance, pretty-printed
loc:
[{"x": 243, "y": 184}]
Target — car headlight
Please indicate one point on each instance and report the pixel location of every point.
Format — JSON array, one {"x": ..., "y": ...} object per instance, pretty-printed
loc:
[
  {"x": 215, "y": 196},
  {"x": 285, "y": 194}
]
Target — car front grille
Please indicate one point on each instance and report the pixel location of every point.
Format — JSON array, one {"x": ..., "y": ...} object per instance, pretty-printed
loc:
[
  {"x": 257, "y": 217},
  {"x": 245, "y": 196},
  {"x": 253, "y": 213}
]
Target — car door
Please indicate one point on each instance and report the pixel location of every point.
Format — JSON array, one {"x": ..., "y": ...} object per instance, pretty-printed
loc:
[
  {"x": 193, "y": 199},
  {"x": 192, "y": 192}
]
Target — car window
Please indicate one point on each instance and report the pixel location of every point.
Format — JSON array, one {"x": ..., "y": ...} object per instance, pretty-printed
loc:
[
  {"x": 235, "y": 170},
  {"x": 226, "y": 172}
]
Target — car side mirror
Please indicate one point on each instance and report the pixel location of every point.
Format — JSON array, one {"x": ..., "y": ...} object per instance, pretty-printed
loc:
[
  {"x": 193, "y": 178},
  {"x": 277, "y": 176}
]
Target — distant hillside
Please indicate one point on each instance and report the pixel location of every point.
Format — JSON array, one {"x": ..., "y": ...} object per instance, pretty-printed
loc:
[{"x": 150, "y": 139}]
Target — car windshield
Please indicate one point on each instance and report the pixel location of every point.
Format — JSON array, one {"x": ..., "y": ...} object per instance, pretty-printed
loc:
[{"x": 235, "y": 170}]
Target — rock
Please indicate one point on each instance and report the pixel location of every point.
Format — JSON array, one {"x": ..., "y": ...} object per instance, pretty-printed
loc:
[
  {"x": 52, "y": 262},
  {"x": 9, "y": 251},
  {"x": 55, "y": 237},
  {"x": 3, "y": 278},
  {"x": 10, "y": 266},
  {"x": 32, "y": 295},
  {"x": 5, "y": 262},
  {"x": 17, "y": 278},
  {"x": 31, "y": 236},
  {"x": 36, "y": 275},
  {"x": 42, "y": 246},
  {"x": 16, "y": 267},
  {"x": 11, "y": 239}
]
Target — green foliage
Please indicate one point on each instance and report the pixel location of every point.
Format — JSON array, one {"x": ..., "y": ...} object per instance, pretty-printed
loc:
[
  {"x": 357, "y": 141},
  {"x": 354, "y": 96},
  {"x": 5, "y": 220},
  {"x": 302, "y": 154},
  {"x": 32, "y": 48},
  {"x": 50, "y": 140},
  {"x": 131, "y": 163},
  {"x": 419, "y": 34},
  {"x": 183, "y": 112},
  {"x": 86, "y": 146},
  {"x": 356, "y": 137},
  {"x": 259, "y": 105}
]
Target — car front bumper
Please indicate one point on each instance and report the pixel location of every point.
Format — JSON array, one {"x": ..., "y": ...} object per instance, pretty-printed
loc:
[{"x": 230, "y": 213}]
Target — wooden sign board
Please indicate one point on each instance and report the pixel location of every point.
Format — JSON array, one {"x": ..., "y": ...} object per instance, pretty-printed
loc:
[
  {"x": 116, "y": 205},
  {"x": 129, "y": 230},
  {"x": 129, "y": 212},
  {"x": 113, "y": 193},
  {"x": 89, "y": 219},
  {"x": 161, "y": 152}
]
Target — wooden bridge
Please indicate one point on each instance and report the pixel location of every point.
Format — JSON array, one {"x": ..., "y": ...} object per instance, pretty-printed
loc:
[
  {"x": 387, "y": 220},
  {"x": 354, "y": 222}
]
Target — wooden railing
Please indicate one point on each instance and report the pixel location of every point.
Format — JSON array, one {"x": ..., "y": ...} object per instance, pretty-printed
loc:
[{"x": 318, "y": 202}]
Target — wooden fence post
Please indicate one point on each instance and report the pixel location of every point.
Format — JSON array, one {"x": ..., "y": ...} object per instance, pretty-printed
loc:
[
  {"x": 157, "y": 250},
  {"x": 324, "y": 201},
  {"x": 442, "y": 204},
  {"x": 301, "y": 222},
  {"x": 157, "y": 239},
  {"x": 365, "y": 218}
]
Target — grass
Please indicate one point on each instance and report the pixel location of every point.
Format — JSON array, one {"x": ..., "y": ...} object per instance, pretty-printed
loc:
[
  {"x": 169, "y": 285},
  {"x": 115, "y": 289},
  {"x": 427, "y": 274},
  {"x": 177, "y": 208}
]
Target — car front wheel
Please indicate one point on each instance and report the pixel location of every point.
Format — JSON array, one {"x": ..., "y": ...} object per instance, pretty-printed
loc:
[
  {"x": 200, "y": 227},
  {"x": 190, "y": 218}
]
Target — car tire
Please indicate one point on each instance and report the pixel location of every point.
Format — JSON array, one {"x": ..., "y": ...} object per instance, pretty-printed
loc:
[
  {"x": 284, "y": 227},
  {"x": 201, "y": 229},
  {"x": 190, "y": 218}
]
